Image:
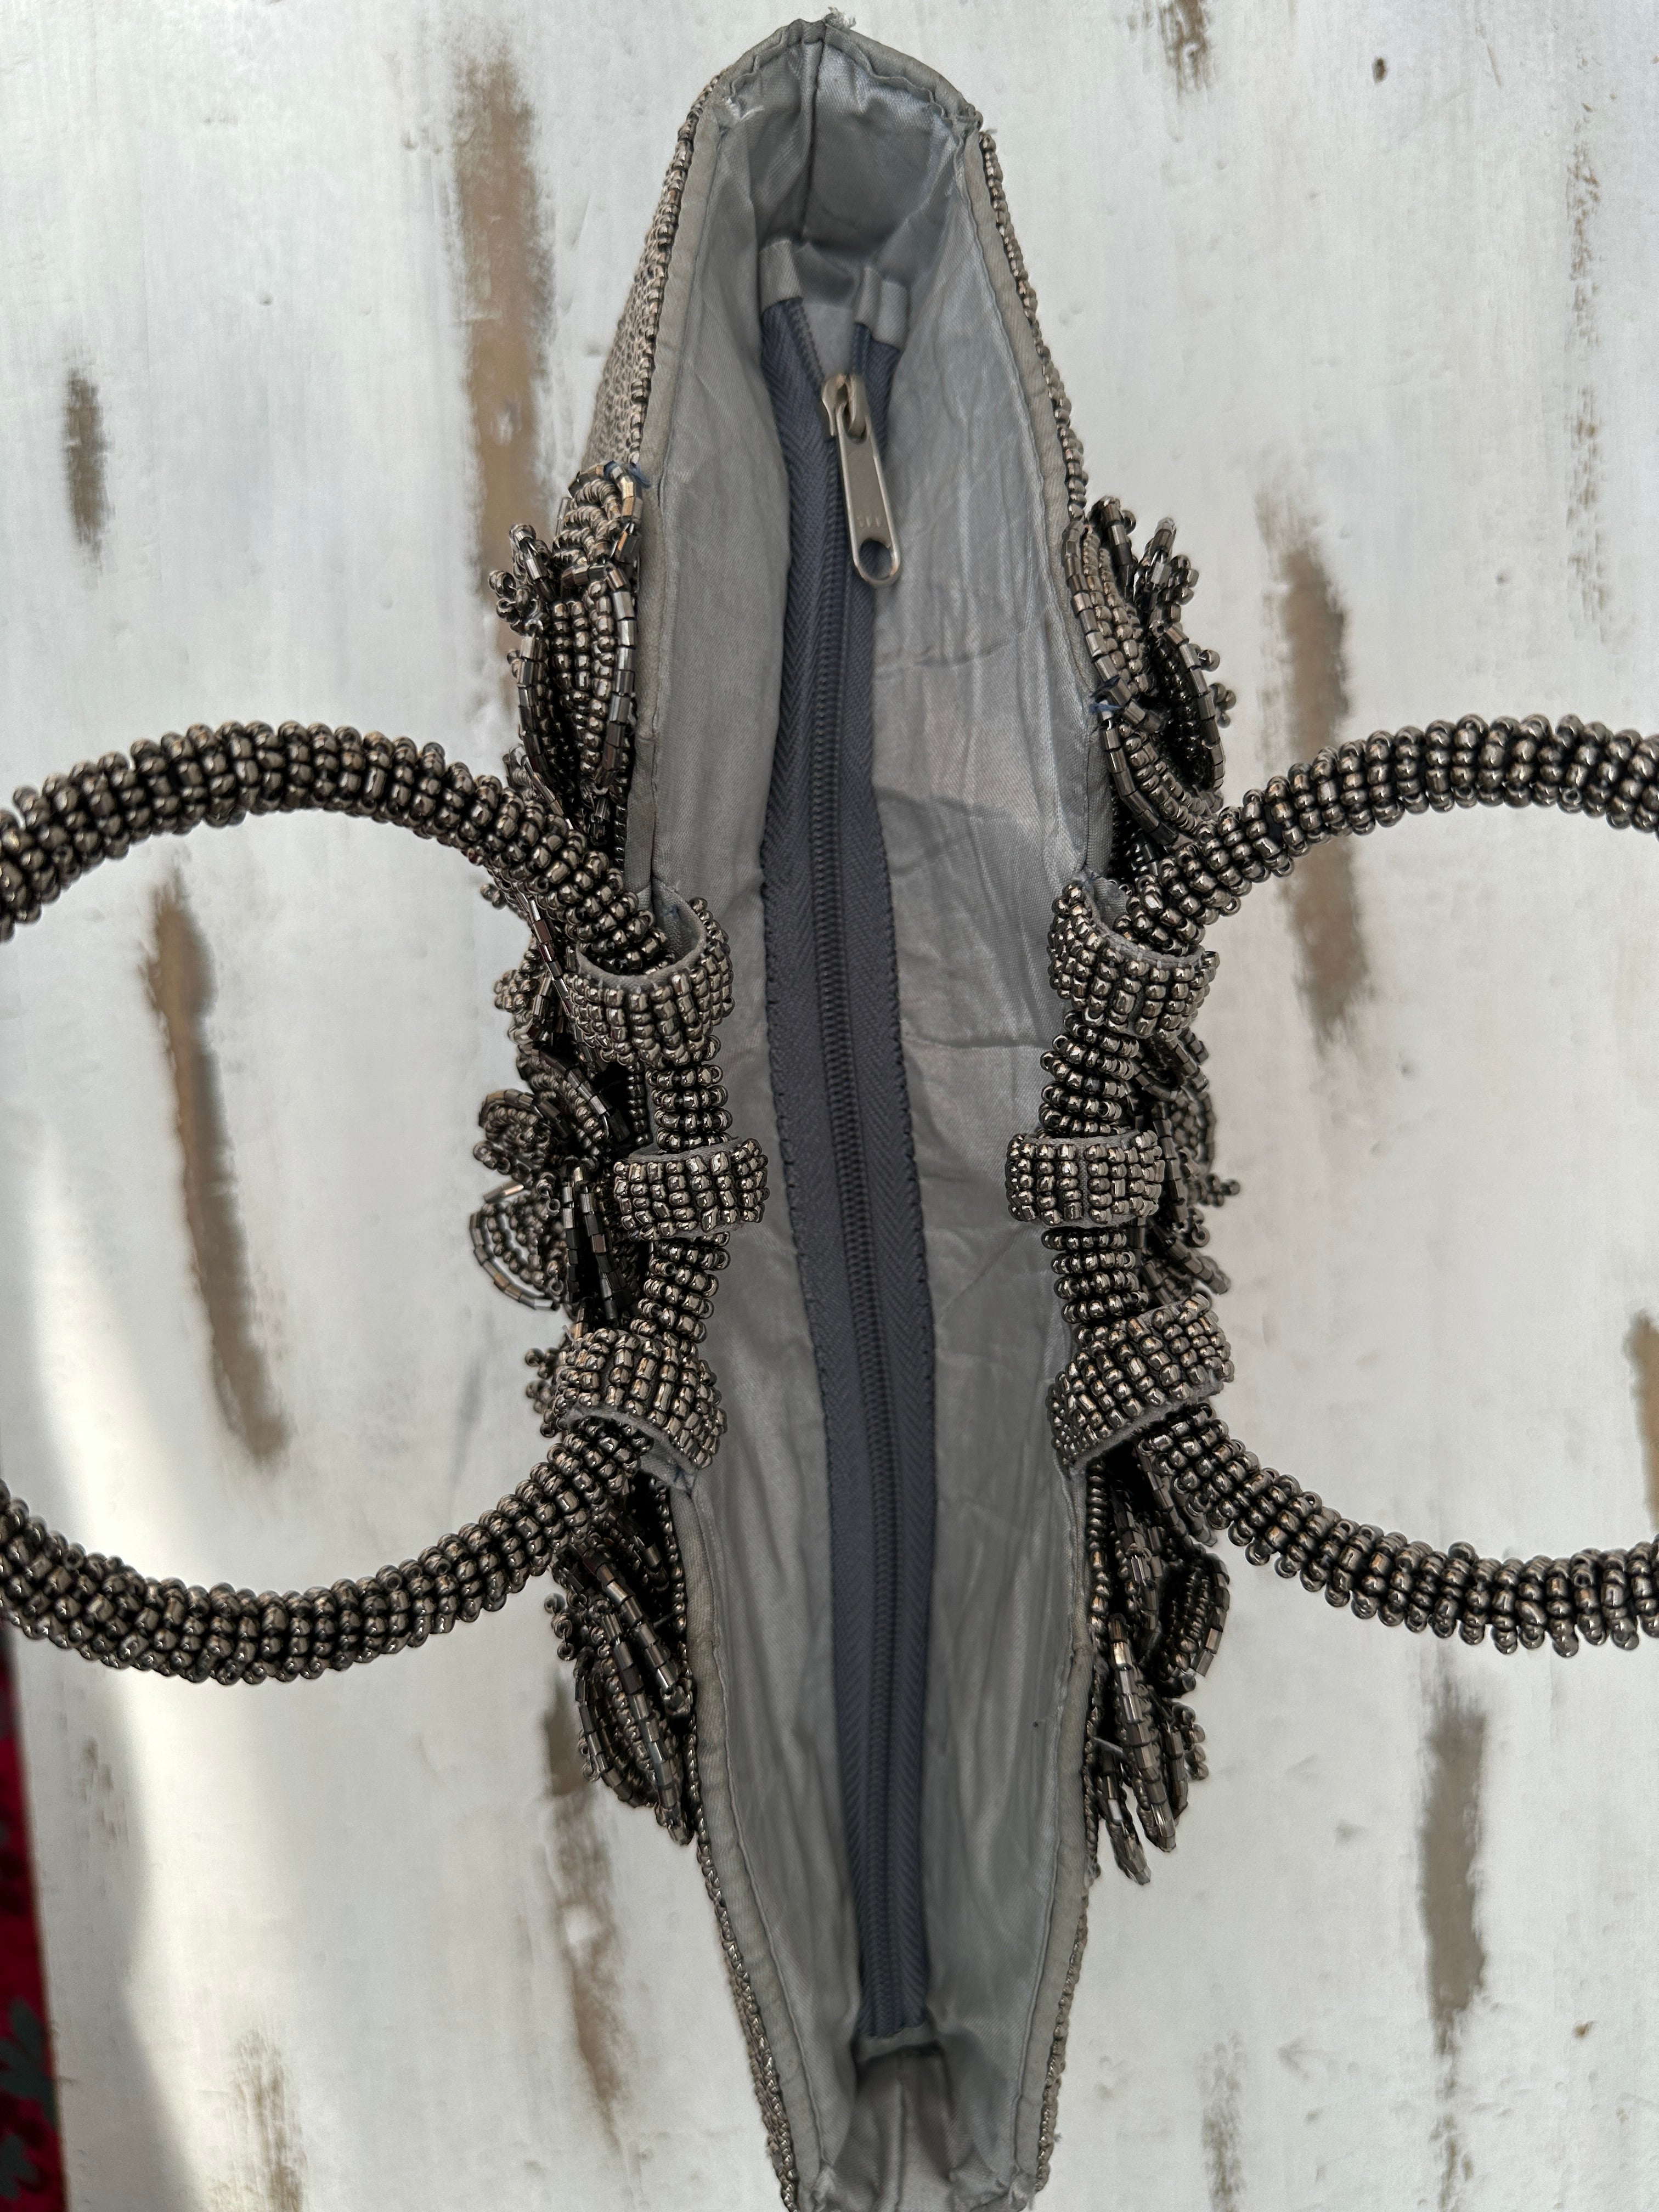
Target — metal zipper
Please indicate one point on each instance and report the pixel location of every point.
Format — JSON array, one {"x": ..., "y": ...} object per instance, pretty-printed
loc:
[
  {"x": 881, "y": 1975},
  {"x": 843, "y": 1121},
  {"x": 846, "y": 404}
]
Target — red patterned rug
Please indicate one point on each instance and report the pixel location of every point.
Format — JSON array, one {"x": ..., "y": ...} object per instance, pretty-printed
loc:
[{"x": 31, "y": 2159}]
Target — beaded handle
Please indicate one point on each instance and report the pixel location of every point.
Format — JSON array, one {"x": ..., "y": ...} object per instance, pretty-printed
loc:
[
  {"x": 543, "y": 865},
  {"x": 1576, "y": 768}
]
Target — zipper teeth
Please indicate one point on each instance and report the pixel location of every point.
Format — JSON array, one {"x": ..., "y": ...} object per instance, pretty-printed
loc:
[{"x": 847, "y": 1140}]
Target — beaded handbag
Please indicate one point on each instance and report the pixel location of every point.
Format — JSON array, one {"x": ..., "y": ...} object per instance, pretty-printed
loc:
[{"x": 836, "y": 697}]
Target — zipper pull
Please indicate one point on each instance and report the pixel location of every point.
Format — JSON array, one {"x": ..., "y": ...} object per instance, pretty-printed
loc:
[{"x": 846, "y": 407}]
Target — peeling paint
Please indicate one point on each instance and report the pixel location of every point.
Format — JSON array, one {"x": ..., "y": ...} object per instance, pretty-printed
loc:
[
  {"x": 469, "y": 1411},
  {"x": 84, "y": 457},
  {"x": 1449, "y": 1842},
  {"x": 273, "y": 2179},
  {"x": 179, "y": 977},
  {"x": 507, "y": 283},
  {"x": 1586, "y": 545},
  {"x": 1183, "y": 28},
  {"x": 1642, "y": 1350},
  {"x": 101, "y": 1794},
  {"x": 1311, "y": 622},
  {"x": 1223, "y": 2162},
  {"x": 1325, "y": 915},
  {"x": 584, "y": 1909}
]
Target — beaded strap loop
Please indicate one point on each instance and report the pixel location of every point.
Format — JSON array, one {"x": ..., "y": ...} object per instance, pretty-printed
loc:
[
  {"x": 639, "y": 1379},
  {"x": 1117, "y": 984},
  {"x": 1126, "y": 1378},
  {"x": 100, "y": 808},
  {"x": 1350, "y": 790},
  {"x": 1101, "y": 1180},
  {"x": 663, "y": 1017},
  {"x": 690, "y": 1193},
  {"x": 615, "y": 1392},
  {"x": 1159, "y": 1471},
  {"x": 1595, "y": 1596}
]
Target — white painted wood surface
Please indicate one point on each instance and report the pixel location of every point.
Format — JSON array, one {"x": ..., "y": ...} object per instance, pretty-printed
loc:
[{"x": 1382, "y": 341}]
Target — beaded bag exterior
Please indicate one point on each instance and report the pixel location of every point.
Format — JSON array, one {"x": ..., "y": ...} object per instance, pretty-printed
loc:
[{"x": 621, "y": 1180}]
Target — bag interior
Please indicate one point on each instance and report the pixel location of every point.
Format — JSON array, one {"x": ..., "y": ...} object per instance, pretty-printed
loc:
[{"x": 861, "y": 173}]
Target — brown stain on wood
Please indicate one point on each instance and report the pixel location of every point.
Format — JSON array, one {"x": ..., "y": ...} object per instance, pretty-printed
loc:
[
  {"x": 1312, "y": 623},
  {"x": 1642, "y": 1350},
  {"x": 1183, "y": 29},
  {"x": 84, "y": 456},
  {"x": 1220, "y": 2132},
  {"x": 274, "y": 2179},
  {"x": 101, "y": 1794},
  {"x": 585, "y": 1908},
  {"x": 179, "y": 977},
  {"x": 507, "y": 279},
  {"x": 1586, "y": 548},
  {"x": 1448, "y": 1843}
]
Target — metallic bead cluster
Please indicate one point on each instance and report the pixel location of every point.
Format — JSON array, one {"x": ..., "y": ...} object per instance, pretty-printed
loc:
[
  {"x": 689, "y": 1193},
  {"x": 574, "y": 601},
  {"x": 615, "y": 1039},
  {"x": 111, "y": 1612},
  {"x": 1158, "y": 1604},
  {"x": 1136, "y": 1372},
  {"x": 637, "y": 1239},
  {"x": 628, "y": 1236},
  {"x": 1103, "y": 1180},
  {"x": 624, "y": 392},
  {"x": 663, "y": 1019},
  {"x": 1160, "y": 717},
  {"x": 1120, "y": 1170},
  {"x": 688, "y": 1106},
  {"x": 1352, "y": 789},
  {"x": 517, "y": 1240},
  {"x": 1091, "y": 1076},
  {"x": 1595, "y": 1596},
  {"x": 642, "y": 1378},
  {"x": 1117, "y": 985},
  {"x": 1070, "y": 446},
  {"x": 620, "y": 1620},
  {"x": 1116, "y": 1063}
]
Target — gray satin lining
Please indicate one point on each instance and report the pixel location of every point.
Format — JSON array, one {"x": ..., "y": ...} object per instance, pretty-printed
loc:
[{"x": 859, "y": 163}]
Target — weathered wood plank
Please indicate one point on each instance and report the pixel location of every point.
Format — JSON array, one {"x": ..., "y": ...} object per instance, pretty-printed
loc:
[{"x": 304, "y": 303}]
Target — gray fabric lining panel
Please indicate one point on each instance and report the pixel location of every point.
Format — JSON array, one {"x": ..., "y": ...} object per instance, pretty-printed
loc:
[
  {"x": 1071, "y": 1865},
  {"x": 981, "y": 741},
  {"x": 882, "y": 305},
  {"x": 1039, "y": 412},
  {"x": 1071, "y": 1883},
  {"x": 704, "y": 1601},
  {"x": 780, "y": 279},
  {"x": 981, "y": 761}
]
